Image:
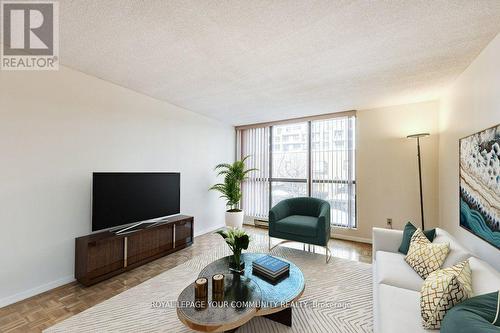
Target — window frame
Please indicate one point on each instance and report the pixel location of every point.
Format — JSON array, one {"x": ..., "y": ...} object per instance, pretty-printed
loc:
[{"x": 309, "y": 180}]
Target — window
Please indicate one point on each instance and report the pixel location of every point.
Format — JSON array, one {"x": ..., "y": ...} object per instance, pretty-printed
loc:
[
  {"x": 311, "y": 158},
  {"x": 333, "y": 168},
  {"x": 289, "y": 162}
]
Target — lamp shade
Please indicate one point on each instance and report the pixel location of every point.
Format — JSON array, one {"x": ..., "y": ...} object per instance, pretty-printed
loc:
[{"x": 418, "y": 135}]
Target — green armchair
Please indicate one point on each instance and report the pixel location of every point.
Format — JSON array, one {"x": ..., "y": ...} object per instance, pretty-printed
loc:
[{"x": 305, "y": 220}]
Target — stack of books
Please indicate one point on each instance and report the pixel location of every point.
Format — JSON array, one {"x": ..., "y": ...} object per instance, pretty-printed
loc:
[{"x": 270, "y": 268}]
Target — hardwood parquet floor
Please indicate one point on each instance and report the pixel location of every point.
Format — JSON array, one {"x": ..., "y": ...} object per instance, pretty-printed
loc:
[{"x": 42, "y": 311}]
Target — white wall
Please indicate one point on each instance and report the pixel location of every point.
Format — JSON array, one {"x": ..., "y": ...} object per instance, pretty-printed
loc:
[
  {"x": 56, "y": 128},
  {"x": 387, "y": 169},
  {"x": 471, "y": 105}
]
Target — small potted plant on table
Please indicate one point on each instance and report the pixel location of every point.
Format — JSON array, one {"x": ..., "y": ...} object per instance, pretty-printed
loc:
[{"x": 237, "y": 240}]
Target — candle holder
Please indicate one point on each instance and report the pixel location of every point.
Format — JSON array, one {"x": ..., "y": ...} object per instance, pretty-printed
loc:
[
  {"x": 201, "y": 292},
  {"x": 218, "y": 287}
]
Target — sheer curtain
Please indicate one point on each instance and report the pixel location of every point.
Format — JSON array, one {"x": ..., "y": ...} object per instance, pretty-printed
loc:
[{"x": 254, "y": 142}]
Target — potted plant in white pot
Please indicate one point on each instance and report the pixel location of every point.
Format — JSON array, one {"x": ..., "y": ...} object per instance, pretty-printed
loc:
[{"x": 234, "y": 174}]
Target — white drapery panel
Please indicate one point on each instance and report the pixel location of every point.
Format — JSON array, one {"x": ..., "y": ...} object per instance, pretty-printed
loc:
[{"x": 254, "y": 142}]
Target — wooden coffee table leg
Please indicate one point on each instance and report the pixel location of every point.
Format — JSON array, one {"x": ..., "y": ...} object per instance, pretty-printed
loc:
[{"x": 283, "y": 317}]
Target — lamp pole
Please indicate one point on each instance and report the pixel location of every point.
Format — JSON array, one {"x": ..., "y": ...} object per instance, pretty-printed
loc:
[
  {"x": 420, "y": 183},
  {"x": 418, "y": 136}
]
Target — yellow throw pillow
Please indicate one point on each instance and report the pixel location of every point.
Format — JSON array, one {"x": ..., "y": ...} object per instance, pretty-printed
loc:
[
  {"x": 464, "y": 275},
  {"x": 442, "y": 290},
  {"x": 425, "y": 257}
]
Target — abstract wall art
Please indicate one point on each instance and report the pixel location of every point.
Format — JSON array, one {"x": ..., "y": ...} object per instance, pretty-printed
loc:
[{"x": 480, "y": 184}]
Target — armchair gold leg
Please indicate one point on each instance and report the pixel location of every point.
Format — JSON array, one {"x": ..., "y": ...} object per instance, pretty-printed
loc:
[
  {"x": 279, "y": 243},
  {"x": 328, "y": 254}
]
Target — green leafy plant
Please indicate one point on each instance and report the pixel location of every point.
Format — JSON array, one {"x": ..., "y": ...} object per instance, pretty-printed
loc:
[
  {"x": 234, "y": 174},
  {"x": 237, "y": 240}
]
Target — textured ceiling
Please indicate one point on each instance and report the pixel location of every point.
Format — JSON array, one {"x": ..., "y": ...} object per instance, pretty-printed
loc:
[{"x": 247, "y": 61}]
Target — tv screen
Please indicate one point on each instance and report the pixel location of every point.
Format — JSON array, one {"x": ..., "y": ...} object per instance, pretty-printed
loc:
[{"x": 122, "y": 198}]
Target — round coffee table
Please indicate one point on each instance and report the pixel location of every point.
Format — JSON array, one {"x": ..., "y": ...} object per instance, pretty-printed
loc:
[
  {"x": 240, "y": 303},
  {"x": 275, "y": 299}
]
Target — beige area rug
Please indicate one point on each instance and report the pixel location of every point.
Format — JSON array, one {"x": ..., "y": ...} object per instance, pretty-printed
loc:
[{"x": 338, "y": 295}]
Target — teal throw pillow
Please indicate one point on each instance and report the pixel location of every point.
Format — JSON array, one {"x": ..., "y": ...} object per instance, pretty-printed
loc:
[
  {"x": 477, "y": 314},
  {"x": 408, "y": 232}
]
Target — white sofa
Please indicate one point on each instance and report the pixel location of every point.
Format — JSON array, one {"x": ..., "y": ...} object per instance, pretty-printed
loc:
[{"x": 396, "y": 286}]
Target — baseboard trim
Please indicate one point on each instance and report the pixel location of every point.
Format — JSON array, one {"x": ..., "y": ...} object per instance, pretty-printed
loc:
[
  {"x": 352, "y": 238},
  {"x": 207, "y": 230},
  {"x": 35, "y": 291},
  {"x": 65, "y": 280},
  {"x": 338, "y": 236}
]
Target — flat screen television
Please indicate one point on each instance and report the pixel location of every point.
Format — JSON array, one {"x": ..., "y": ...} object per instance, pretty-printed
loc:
[{"x": 123, "y": 198}]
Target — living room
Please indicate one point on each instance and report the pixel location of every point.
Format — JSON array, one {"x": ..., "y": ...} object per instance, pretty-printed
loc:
[{"x": 159, "y": 157}]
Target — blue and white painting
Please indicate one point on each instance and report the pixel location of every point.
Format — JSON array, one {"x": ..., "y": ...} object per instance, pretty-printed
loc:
[{"x": 480, "y": 184}]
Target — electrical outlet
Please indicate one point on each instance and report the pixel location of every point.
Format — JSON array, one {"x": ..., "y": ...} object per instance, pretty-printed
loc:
[{"x": 389, "y": 222}]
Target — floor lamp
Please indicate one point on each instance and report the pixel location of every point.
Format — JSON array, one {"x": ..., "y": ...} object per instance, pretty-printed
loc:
[{"x": 418, "y": 136}]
